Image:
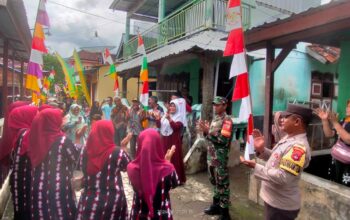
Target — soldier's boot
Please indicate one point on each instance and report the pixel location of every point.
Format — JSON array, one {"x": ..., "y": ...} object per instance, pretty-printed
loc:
[
  {"x": 214, "y": 209},
  {"x": 225, "y": 215}
]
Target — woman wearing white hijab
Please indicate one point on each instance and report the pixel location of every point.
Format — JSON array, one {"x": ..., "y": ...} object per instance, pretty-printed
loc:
[
  {"x": 74, "y": 125},
  {"x": 171, "y": 125},
  {"x": 276, "y": 130}
]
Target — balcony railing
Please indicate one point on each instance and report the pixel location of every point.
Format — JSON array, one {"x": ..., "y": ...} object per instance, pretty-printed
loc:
[{"x": 195, "y": 17}]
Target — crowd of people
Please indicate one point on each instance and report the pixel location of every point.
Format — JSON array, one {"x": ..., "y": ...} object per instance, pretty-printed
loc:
[{"x": 45, "y": 145}]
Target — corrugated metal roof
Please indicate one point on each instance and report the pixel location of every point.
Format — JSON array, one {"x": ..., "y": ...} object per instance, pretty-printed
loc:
[
  {"x": 14, "y": 26},
  {"x": 147, "y": 8},
  {"x": 206, "y": 40},
  {"x": 323, "y": 53},
  {"x": 306, "y": 11},
  {"x": 305, "y": 26}
]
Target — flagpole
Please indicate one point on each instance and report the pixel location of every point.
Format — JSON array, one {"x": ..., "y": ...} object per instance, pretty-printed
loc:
[
  {"x": 138, "y": 79},
  {"x": 35, "y": 26},
  {"x": 216, "y": 77},
  {"x": 138, "y": 83},
  {"x": 37, "y": 12}
]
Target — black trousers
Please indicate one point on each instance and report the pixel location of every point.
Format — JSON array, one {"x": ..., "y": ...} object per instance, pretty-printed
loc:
[{"x": 272, "y": 213}]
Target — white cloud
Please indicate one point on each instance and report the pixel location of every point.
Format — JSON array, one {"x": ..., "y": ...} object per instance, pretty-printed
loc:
[{"x": 72, "y": 29}]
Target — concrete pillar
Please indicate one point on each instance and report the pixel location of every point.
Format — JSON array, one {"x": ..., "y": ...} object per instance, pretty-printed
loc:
[
  {"x": 161, "y": 80},
  {"x": 161, "y": 11},
  {"x": 207, "y": 62},
  {"x": 209, "y": 11},
  {"x": 124, "y": 87},
  {"x": 127, "y": 29}
]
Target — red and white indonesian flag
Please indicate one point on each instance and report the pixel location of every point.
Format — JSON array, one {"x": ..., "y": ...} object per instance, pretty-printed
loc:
[
  {"x": 143, "y": 74},
  {"x": 107, "y": 58},
  {"x": 140, "y": 45},
  {"x": 235, "y": 47}
]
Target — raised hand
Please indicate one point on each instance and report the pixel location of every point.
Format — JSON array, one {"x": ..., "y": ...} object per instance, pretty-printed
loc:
[
  {"x": 333, "y": 117},
  {"x": 169, "y": 154},
  {"x": 156, "y": 115},
  {"x": 249, "y": 163},
  {"x": 126, "y": 140},
  {"x": 259, "y": 141},
  {"x": 257, "y": 133},
  {"x": 323, "y": 115},
  {"x": 203, "y": 126}
]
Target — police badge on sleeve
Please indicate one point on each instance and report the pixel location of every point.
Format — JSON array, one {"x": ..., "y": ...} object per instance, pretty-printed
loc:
[{"x": 294, "y": 160}]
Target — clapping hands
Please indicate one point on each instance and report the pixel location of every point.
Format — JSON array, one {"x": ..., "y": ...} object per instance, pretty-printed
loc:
[
  {"x": 259, "y": 141},
  {"x": 322, "y": 114},
  {"x": 327, "y": 115},
  {"x": 125, "y": 141},
  {"x": 203, "y": 126},
  {"x": 169, "y": 154},
  {"x": 249, "y": 163}
]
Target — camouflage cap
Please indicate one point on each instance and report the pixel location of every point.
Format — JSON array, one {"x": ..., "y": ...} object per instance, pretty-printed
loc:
[{"x": 219, "y": 100}]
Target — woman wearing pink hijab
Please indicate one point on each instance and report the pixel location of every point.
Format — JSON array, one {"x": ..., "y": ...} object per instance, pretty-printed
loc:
[
  {"x": 152, "y": 177},
  {"x": 103, "y": 196},
  {"x": 7, "y": 136},
  {"x": 53, "y": 158},
  {"x": 20, "y": 120}
]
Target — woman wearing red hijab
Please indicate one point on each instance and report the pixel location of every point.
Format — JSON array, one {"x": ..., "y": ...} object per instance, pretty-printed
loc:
[
  {"x": 53, "y": 158},
  {"x": 103, "y": 196},
  {"x": 19, "y": 123},
  {"x": 6, "y": 142},
  {"x": 152, "y": 177},
  {"x": 7, "y": 136}
]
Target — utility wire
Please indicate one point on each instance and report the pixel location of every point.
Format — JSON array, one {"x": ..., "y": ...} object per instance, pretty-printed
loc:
[
  {"x": 86, "y": 12},
  {"x": 121, "y": 22}
]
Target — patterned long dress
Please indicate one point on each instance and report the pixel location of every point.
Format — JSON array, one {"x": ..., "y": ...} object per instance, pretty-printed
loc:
[
  {"x": 52, "y": 196},
  {"x": 161, "y": 201},
  {"x": 20, "y": 182},
  {"x": 103, "y": 196}
]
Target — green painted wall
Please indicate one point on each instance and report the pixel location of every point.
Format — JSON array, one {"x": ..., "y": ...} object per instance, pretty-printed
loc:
[
  {"x": 292, "y": 79},
  {"x": 344, "y": 77},
  {"x": 193, "y": 67}
]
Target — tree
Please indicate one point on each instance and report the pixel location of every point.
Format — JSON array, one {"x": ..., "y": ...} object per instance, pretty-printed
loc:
[{"x": 51, "y": 62}]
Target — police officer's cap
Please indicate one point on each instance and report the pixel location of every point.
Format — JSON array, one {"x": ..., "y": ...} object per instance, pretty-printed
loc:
[
  {"x": 303, "y": 112},
  {"x": 218, "y": 100}
]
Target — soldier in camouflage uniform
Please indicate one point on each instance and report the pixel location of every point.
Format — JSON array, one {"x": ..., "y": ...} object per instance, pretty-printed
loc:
[{"x": 219, "y": 135}]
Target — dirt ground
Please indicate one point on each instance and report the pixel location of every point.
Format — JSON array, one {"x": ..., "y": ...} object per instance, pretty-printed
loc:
[{"x": 189, "y": 201}]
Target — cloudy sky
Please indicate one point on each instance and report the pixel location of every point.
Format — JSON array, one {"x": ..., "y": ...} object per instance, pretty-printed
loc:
[{"x": 73, "y": 29}]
